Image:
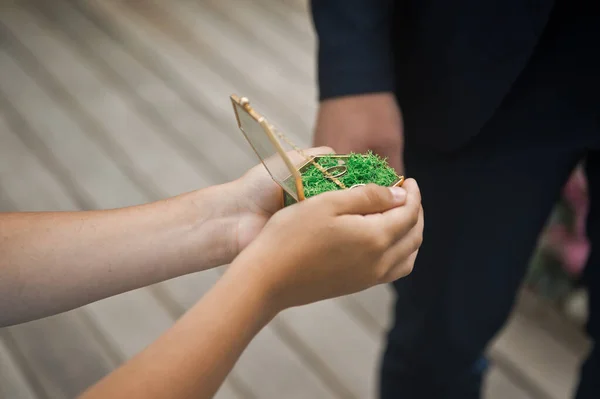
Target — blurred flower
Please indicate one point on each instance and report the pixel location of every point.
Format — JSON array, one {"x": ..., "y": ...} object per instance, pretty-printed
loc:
[{"x": 565, "y": 238}]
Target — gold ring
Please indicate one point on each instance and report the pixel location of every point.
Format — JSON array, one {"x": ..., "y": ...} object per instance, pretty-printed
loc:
[
  {"x": 357, "y": 185},
  {"x": 341, "y": 171}
]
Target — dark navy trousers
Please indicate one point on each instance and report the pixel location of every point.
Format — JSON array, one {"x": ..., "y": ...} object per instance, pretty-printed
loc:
[{"x": 485, "y": 205}]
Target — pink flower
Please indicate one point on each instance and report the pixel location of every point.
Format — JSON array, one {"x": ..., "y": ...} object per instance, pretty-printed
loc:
[{"x": 569, "y": 244}]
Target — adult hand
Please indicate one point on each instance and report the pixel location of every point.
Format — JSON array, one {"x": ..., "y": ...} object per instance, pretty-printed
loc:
[
  {"x": 361, "y": 123},
  {"x": 334, "y": 244}
]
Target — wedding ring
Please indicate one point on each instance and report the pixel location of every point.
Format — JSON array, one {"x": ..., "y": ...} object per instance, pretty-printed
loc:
[
  {"x": 357, "y": 185},
  {"x": 336, "y": 171}
]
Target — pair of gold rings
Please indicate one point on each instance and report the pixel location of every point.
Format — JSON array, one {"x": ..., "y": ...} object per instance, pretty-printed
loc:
[{"x": 338, "y": 171}]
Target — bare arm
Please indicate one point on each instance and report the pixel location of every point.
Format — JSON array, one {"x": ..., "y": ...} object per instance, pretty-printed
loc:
[
  {"x": 348, "y": 246},
  {"x": 51, "y": 262},
  {"x": 193, "y": 358},
  {"x": 56, "y": 261}
]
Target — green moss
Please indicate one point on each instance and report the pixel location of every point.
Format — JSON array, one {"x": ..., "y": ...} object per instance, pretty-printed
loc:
[{"x": 362, "y": 169}]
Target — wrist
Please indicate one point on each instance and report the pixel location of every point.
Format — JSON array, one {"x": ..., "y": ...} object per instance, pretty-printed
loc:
[
  {"x": 256, "y": 268},
  {"x": 247, "y": 277},
  {"x": 214, "y": 225}
]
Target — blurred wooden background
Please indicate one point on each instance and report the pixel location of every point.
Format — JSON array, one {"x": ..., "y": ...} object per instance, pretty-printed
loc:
[{"x": 108, "y": 103}]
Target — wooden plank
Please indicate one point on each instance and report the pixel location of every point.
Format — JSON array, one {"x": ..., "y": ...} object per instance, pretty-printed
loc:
[
  {"x": 163, "y": 21},
  {"x": 13, "y": 382},
  {"x": 562, "y": 328},
  {"x": 528, "y": 350},
  {"x": 294, "y": 380},
  {"x": 293, "y": 20},
  {"x": 303, "y": 6},
  {"x": 32, "y": 187},
  {"x": 260, "y": 30},
  {"x": 195, "y": 134},
  {"x": 61, "y": 340},
  {"x": 576, "y": 307},
  {"x": 108, "y": 114},
  {"x": 113, "y": 317},
  {"x": 268, "y": 366},
  {"x": 334, "y": 339},
  {"x": 499, "y": 386},
  {"x": 286, "y": 72},
  {"x": 373, "y": 307},
  {"x": 190, "y": 82},
  {"x": 143, "y": 35},
  {"x": 62, "y": 139}
]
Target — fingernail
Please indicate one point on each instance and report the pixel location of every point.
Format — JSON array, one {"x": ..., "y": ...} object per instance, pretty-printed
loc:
[{"x": 398, "y": 193}]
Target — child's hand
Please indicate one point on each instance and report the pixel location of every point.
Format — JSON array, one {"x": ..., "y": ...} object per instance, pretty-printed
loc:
[
  {"x": 335, "y": 244},
  {"x": 254, "y": 198}
]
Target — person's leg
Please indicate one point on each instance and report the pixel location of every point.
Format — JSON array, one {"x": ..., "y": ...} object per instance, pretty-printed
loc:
[
  {"x": 589, "y": 386},
  {"x": 485, "y": 206},
  {"x": 484, "y": 209}
]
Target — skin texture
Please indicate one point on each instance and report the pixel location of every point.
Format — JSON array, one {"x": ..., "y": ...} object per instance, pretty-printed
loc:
[
  {"x": 356, "y": 239},
  {"x": 51, "y": 262},
  {"x": 360, "y": 123}
]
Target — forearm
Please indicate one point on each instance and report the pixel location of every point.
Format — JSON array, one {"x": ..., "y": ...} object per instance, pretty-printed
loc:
[
  {"x": 51, "y": 262},
  {"x": 194, "y": 357},
  {"x": 340, "y": 252}
]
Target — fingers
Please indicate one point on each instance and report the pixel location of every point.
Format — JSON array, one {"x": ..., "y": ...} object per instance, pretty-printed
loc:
[
  {"x": 398, "y": 221},
  {"x": 413, "y": 191},
  {"x": 365, "y": 200},
  {"x": 401, "y": 270},
  {"x": 399, "y": 259}
]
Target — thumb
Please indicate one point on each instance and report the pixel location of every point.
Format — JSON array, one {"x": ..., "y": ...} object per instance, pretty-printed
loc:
[{"x": 366, "y": 199}]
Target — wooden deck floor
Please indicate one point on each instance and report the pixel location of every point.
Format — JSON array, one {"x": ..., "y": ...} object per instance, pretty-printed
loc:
[{"x": 107, "y": 103}]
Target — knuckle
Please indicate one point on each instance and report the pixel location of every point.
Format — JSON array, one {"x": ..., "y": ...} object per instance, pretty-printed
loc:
[
  {"x": 415, "y": 216},
  {"x": 381, "y": 273},
  {"x": 417, "y": 191},
  {"x": 415, "y": 242},
  {"x": 413, "y": 188},
  {"x": 379, "y": 242},
  {"x": 408, "y": 268},
  {"x": 405, "y": 269},
  {"x": 372, "y": 193}
]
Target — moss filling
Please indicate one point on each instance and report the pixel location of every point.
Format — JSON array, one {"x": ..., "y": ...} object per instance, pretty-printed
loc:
[{"x": 362, "y": 169}]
